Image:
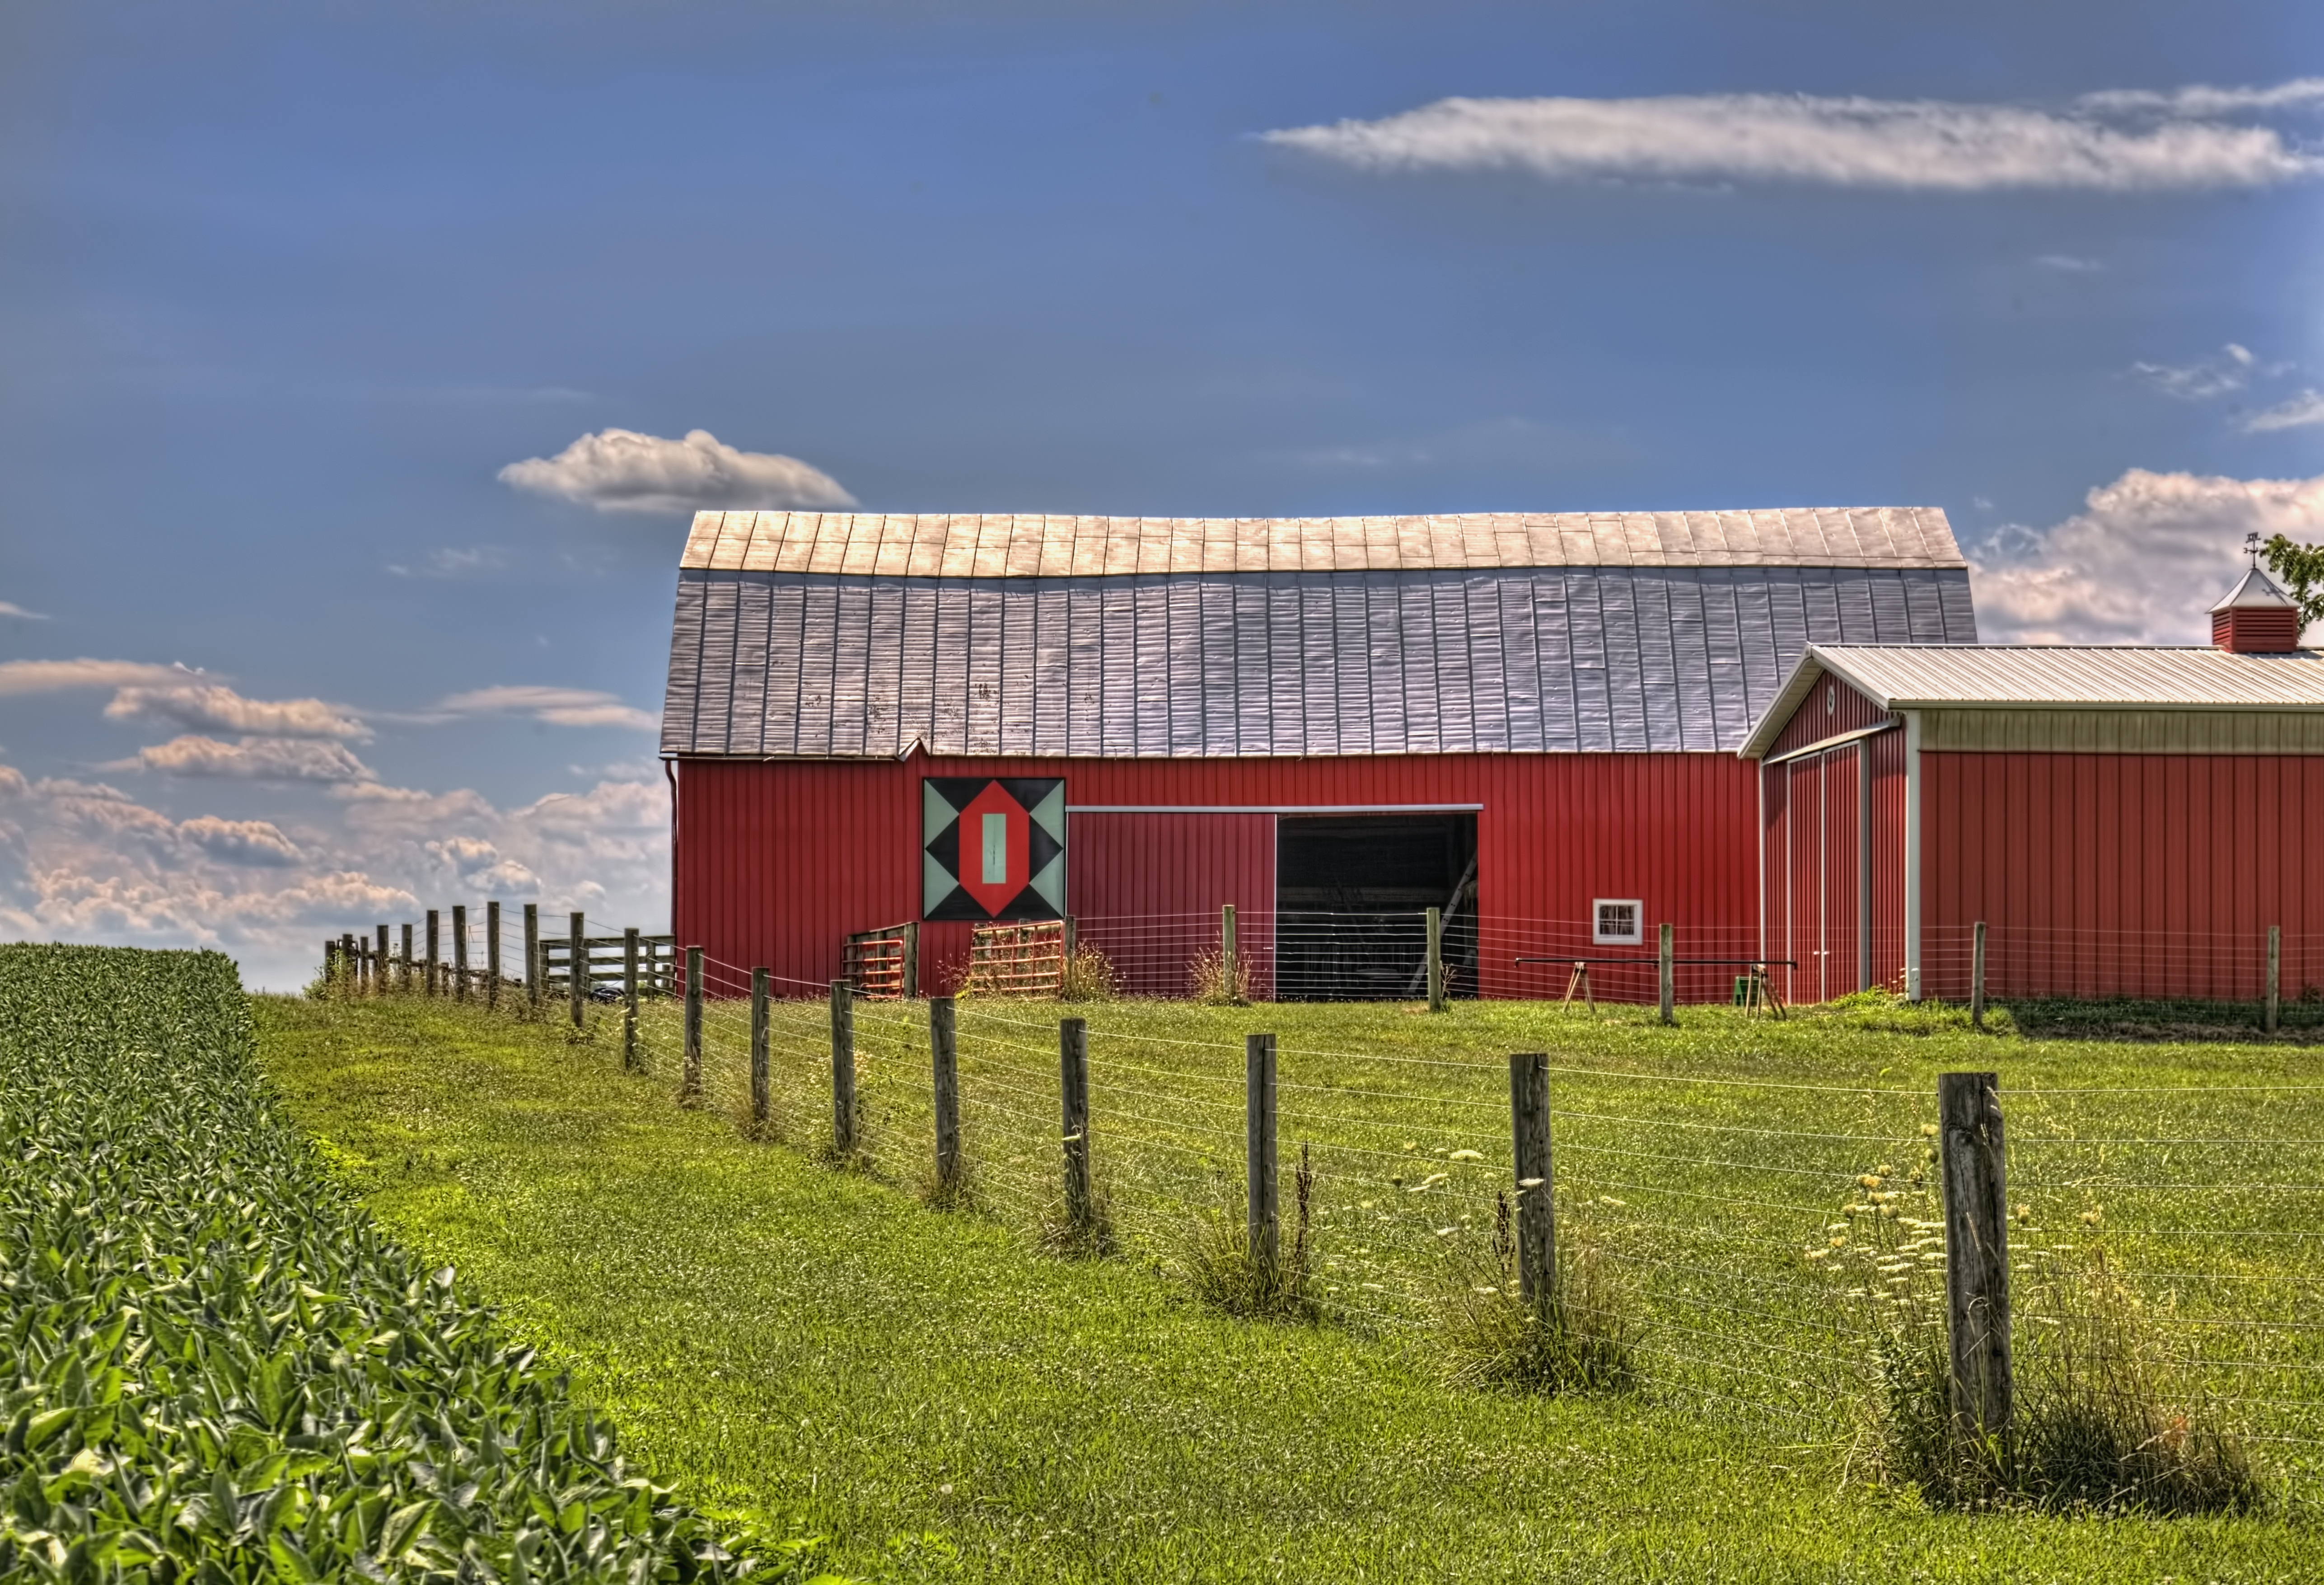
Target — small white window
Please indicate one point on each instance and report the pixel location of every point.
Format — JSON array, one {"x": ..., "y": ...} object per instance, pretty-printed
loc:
[
  {"x": 1830, "y": 699},
  {"x": 1618, "y": 921}
]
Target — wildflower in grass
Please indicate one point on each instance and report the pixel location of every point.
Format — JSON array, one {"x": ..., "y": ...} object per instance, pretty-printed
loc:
[
  {"x": 1466, "y": 1156},
  {"x": 1928, "y": 1130},
  {"x": 2091, "y": 1218},
  {"x": 1430, "y": 1181},
  {"x": 1840, "y": 1240},
  {"x": 1870, "y": 1180},
  {"x": 1609, "y": 1200}
]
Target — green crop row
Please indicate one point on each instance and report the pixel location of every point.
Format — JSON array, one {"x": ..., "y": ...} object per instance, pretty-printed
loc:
[{"x": 214, "y": 1368}]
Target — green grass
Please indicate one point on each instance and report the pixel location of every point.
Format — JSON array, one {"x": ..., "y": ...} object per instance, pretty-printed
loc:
[{"x": 818, "y": 1347}]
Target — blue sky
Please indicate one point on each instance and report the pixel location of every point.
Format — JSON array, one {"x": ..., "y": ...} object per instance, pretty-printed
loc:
[{"x": 285, "y": 288}]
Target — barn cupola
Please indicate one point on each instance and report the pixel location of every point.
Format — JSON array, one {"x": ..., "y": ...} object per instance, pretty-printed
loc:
[{"x": 2256, "y": 617}]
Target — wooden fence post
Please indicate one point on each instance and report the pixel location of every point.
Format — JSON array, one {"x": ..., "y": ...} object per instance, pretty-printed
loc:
[
  {"x": 493, "y": 953},
  {"x": 576, "y": 968},
  {"x": 460, "y": 951},
  {"x": 350, "y": 966},
  {"x": 435, "y": 967},
  {"x": 2274, "y": 976},
  {"x": 758, "y": 1038},
  {"x": 1073, "y": 1087},
  {"x": 1977, "y": 1250},
  {"x": 1227, "y": 949},
  {"x": 1259, "y": 1147},
  {"x": 911, "y": 959},
  {"x": 380, "y": 966},
  {"x": 1977, "y": 977},
  {"x": 943, "y": 1056},
  {"x": 1666, "y": 974},
  {"x": 404, "y": 977},
  {"x": 630, "y": 1061},
  {"x": 842, "y": 1067},
  {"x": 533, "y": 955},
  {"x": 1529, "y": 1135},
  {"x": 1435, "y": 961},
  {"x": 689, "y": 1086}
]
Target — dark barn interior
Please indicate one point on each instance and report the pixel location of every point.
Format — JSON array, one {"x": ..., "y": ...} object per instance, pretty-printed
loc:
[{"x": 1349, "y": 897}]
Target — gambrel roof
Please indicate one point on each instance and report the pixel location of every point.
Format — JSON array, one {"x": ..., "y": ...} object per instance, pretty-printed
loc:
[{"x": 855, "y": 635}]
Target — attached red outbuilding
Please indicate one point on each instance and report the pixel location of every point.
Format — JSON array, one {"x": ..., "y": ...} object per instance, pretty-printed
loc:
[{"x": 2127, "y": 820}]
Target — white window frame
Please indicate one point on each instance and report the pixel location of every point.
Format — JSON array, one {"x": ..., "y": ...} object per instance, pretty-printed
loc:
[{"x": 1598, "y": 933}]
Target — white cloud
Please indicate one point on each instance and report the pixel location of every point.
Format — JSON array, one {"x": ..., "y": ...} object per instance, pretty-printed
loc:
[
  {"x": 10, "y": 608},
  {"x": 1915, "y": 144},
  {"x": 210, "y": 706},
  {"x": 2201, "y": 99},
  {"x": 2142, "y": 563},
  {"x": 2299, "y": 412},
  {"x": 2068, "y": 264},
  {"x": 55, "y": 676},
  {"x": 2231, "y": 370},
  {"x": 559, "y": 707},
  {"x": 621, "y": 470},
  {"x": 255, "y": 759},
  {"x": 85, "y": 861},
  {"x": 454, "y": 561},
  {"x": 239, "y": 842}
]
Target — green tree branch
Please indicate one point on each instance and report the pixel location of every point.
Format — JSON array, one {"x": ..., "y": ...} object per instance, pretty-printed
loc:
[{"x": 2303, "y": 568}]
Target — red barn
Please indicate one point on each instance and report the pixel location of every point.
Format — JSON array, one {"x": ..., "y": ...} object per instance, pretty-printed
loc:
[
  {"x": 2127, "y": 820},
  {"x": 1529, "y": 720}
]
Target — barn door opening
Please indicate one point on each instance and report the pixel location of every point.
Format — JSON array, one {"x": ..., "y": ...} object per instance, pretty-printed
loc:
[{"x": 1351, "y": 892}]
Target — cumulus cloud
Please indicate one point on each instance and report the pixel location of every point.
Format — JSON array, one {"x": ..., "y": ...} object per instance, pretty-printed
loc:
[
  {"x": 2131, "y": 141},
  {"x": 2299, "y": 412},
  {"x": 56, "y": 676},
  {"x": 2140, "y": 563},
  {"x": 253, "y": 759},
  {"x": 212, "y": 708},
  {"x": 239, "y": 842},
  {"x": 83, "y": 860},
  {"x": 621, "y": 470},
  {"x": 559, "y": 707}
]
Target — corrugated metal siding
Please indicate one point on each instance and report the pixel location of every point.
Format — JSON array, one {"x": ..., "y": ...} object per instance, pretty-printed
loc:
[
  {"x": 1849, "y": 711},
  {"x": 1575, "y": 660},
  {"x": 1145, "y": 888},
  {"x": 2119, "y": 874},
  {"x": 776, "y": 862},
  {"x": 2113, "y": 675}
]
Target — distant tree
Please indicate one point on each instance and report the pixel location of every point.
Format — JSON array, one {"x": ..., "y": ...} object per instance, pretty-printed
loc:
[{"x": 2301, "y": 567}]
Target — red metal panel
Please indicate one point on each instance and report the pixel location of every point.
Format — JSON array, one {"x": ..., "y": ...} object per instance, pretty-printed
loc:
[
  {"x": 2121, "y": 875},
  {"x": 1803, "y": 863},
  {"x": 1886, "y": 761},
  {"x": 1833, "y": 709},
  {"x": 1147, "y": 888},
  {"x": 775, "y": 861},
  {"x": 1841, "y": 901}
]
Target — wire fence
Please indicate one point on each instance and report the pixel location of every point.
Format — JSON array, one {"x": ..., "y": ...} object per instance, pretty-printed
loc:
[
  {"x": 1768, "y": 1239},
  {"x": 1312, "y": 955}
]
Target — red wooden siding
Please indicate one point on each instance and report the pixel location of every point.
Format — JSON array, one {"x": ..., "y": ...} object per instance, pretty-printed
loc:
[
  {"x": 2111, "y": 875},
  {"x": 776, "y": 861}
]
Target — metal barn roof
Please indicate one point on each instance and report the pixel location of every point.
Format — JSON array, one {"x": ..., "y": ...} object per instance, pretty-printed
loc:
[
  {"x": 2059, "y": 677},
  {"x": 1324, "y": 636},
  {"x": 943, "y": 545}
]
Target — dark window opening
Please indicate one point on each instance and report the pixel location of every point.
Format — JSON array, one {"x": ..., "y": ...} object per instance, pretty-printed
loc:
[{"x": 1350, "y": 896}]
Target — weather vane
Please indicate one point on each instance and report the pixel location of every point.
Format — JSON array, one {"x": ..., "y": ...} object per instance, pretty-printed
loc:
[{"x": 2251, "y": 544}]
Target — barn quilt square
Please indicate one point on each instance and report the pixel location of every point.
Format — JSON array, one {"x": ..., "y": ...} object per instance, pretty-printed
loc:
[{"x": 993, "y": 848}]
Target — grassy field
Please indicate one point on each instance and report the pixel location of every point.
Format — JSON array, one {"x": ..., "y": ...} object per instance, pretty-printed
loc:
[{"x": 818, "y": 1347}]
